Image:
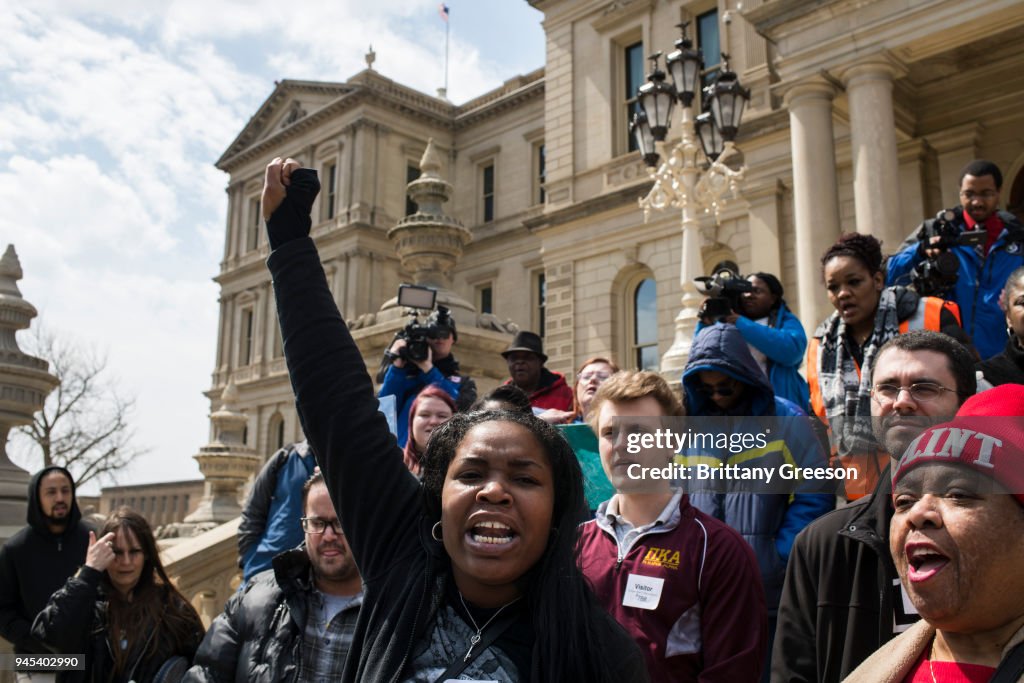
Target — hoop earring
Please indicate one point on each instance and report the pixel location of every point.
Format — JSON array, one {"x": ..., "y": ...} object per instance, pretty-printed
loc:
[{"x": 435, "y": 532}]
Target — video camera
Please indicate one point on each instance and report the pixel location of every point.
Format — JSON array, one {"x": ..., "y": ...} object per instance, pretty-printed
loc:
[
  {"x": 439, "y": 324},
  {"x": 935, "y": 276},
  {"x": 725, "y": 287}
]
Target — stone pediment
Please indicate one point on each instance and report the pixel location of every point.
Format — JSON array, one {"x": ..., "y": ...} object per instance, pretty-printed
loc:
[{"x": 290, "y": 102}]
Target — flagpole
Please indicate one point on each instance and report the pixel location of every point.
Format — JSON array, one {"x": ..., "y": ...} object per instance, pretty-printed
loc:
[{"x": 447, "y": 30}]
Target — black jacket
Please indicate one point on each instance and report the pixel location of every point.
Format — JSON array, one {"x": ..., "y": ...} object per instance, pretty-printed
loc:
[
  {"x": 34, "y": 563},
  {"x": 836, "y": 607},
  {"x": 377, "y": 498},
  {"x": 1006, "y": 367},
  {"x": 258, "y": 637},
  {"x": 75, "y": 621}
]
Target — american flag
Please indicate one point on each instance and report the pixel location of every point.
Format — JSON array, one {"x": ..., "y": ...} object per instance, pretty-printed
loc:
[{"x": 442, "y": 9}]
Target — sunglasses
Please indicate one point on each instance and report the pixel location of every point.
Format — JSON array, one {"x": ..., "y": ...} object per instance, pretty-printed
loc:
[{"x": 723, "y": 390}]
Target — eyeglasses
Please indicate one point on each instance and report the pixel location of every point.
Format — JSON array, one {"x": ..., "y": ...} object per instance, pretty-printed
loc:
[
  {"x": 723, "y": 390},
  {"x": 587, "y": 376},
  {"x": 315, "y": 525},
  {"x": 922, "y": 392},
  {"x": 986, "y": 195}
]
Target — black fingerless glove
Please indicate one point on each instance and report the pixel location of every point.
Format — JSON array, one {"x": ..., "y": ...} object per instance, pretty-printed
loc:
[{"x": 291, "y": 220}]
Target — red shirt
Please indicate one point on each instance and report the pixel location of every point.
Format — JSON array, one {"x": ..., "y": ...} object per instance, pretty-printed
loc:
[
  {"x": 993, "y": 226},
  {"x": 948, "y": 672}
]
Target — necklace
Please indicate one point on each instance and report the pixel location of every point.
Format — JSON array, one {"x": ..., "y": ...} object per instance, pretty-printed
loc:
[
  {"x": 931, "y": 658},
  {"x": 480, "y": 629}
]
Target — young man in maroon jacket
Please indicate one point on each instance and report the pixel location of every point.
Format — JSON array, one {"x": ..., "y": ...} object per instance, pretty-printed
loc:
[{"x": 683, "y": 584}]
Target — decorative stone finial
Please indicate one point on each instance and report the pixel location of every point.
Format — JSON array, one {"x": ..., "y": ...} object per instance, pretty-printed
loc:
[
  {"x": 10, "y": 272},
  {"x": 430, "y": 242},
  {"x": 371, "y": 57},
  {"x": 430, "y": 163}
]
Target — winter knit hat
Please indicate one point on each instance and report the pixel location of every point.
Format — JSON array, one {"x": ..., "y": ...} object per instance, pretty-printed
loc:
[{"x": 987, "y": 435}]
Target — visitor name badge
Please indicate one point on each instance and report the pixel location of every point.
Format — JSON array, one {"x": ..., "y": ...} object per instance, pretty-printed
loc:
[{"x": 643, "y": 592}]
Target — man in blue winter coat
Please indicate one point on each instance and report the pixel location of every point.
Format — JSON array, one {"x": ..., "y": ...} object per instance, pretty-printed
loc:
[
  {"x": 983, "y": 269},
  {"x": 722, "y": 380}
]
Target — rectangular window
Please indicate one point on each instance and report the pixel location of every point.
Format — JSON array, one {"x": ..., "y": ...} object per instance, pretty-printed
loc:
[
  {"x": 485, "y": 298},
  {"x": 634, "y": 78},
  {"x": 245, "y": 343},
  {"x": 708, "y": 40},
  {"x": 540, "y": 176},
  {"x": 412, "y": 172},
  {"x": 329, "y": 207},
  {"x": 487, "y": 196},
  {"x": 174, "y": 504},
  {"x": 185, "y": 508},
  {"x": 255, "y": 224},
  {"x": 542, "y": 300}
]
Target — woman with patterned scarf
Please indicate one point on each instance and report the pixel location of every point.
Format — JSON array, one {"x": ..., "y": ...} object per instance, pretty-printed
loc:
[{"x": 842, "y": 353}]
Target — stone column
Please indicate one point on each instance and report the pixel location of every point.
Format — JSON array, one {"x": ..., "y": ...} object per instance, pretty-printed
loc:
[
  {"x": 956, "y": 147},
  {"x": 815, "y": 190},
  {"x": 876, "y": 173}
]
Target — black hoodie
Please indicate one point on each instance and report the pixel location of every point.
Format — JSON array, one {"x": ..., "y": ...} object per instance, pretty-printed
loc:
[{"x": 35, "y": 563}]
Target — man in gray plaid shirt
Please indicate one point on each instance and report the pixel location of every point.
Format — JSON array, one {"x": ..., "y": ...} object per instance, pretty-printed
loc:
[{"x": 294, "y": 621}]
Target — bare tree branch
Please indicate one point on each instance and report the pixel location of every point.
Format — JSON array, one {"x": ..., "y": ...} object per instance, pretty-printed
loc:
[{"x": 85, "y": 424}]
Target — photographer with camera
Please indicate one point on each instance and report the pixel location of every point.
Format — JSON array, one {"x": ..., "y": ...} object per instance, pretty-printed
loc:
[
  {"x": 965, "y": 255},
  {"x": 774, "y": 335},
  {"x": 420, "y": 356}
]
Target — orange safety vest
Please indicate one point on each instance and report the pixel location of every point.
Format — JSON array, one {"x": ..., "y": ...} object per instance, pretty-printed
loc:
[{"x": 928, "y": 316}]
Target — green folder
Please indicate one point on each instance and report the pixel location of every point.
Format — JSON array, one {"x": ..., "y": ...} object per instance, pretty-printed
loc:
[{"x": 584, "y": 442}]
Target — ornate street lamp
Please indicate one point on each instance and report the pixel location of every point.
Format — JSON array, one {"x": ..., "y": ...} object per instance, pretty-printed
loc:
[
  {"x": 693, "y": 175},
  {"x": 685, "y": 65},
  {"x": 656, "y": 99}
]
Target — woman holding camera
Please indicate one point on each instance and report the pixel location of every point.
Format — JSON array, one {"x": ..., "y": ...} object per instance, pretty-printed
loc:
[
  {"x": 842, "y": 351},
  {"x": 775, "y": 336},
  {"x": 471, "y": 574},
  {"x": 121, "y": 610},
  {"x": 406, "y": 375}
]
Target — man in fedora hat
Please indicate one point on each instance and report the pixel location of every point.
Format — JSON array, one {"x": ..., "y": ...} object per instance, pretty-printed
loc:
[{"x": 546, "y": 389}]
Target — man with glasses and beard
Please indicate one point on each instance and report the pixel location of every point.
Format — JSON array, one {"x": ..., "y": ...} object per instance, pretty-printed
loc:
[
  {"x": 842, "y": 598},
  {"x": 37, "y": 560},
  {"x": 295, "y": 621}
]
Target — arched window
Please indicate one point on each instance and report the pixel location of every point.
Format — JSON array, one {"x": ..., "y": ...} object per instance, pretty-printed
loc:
[
  {"x": 275, "y": 432},
  {"x": 644, "y": 326}
]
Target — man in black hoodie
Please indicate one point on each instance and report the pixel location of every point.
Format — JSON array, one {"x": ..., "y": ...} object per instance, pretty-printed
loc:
[{"x": 37, "y": 560}]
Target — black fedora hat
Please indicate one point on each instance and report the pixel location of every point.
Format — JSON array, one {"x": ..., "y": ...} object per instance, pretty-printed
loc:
[{"x": 527, "y": 341}]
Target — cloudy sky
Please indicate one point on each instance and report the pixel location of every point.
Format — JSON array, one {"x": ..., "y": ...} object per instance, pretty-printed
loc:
[{"x": 111, "y": 116}]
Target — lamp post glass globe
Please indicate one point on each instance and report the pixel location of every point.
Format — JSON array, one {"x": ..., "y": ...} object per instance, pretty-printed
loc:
[
  {"x": 685, "y": 65},
  {"x": 710, "y": 137},
  {"x": 727, "y": 98},
  {"x": 641, "y": 132},
  {"x": 657, "y": 99}
]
